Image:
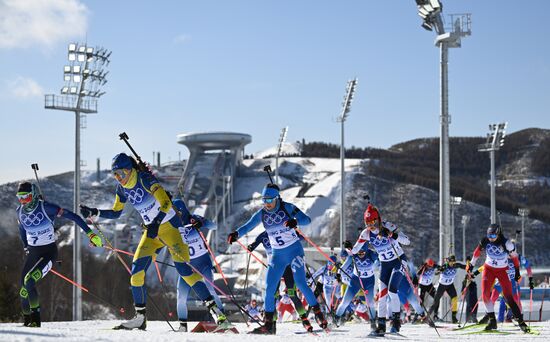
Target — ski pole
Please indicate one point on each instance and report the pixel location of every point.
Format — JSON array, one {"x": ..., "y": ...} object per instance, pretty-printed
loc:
[
  {"x": 462, "y": 297},
  {"x": 412, "y": 286},
  {"x": 212, "y": 283},
  {"x": 132, "y": 254},
  {"x": 321, "y": 251},
  {"x": 530, "y": 305},
  {"x": 35, "y": 169},
  {"x": 121, "y": 309},
  {"x": 130, "y": 272},
  {"x": 246, "y": 276},
  {"x": 250, "y": 253},
  {"x": 219, "y": 270}
]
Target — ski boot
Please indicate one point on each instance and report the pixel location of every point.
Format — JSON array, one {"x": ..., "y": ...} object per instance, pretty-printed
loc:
[
  {"x": 454, "y": 320},
  {"x": 522, "y": 325},
  {"x": 139, "y": 321},
  {"x": 269, "y": 327},
  {"x": 319, "y": 317},
  {"x": 484, "y": 319},
  {"x": 306, "y": 323},
  {"x": 395, "y": 322},
  {"x": 183, "y": 326},
  {"x": 380, "y": 329},
  {"x": 217, "y": 314},
  {"x": 492, "y": 325},
  {"x": 35, "y": 318},
  {"x": 372, "y": 324},
  {"x": 339, "y": 321},
  {"x": 26, "y": 320}
]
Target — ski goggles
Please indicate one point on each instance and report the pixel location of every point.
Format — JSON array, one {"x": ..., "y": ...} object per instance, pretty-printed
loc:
[
  {"x": 120, "y": 173},
  {"x": 269, "y": 200},
  {"x": 491, "y": 236},
  {"x": 24, "y": 197}
]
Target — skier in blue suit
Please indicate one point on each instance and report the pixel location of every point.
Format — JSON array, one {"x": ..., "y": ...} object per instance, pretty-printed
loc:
[{"x": 280, "y": 220}]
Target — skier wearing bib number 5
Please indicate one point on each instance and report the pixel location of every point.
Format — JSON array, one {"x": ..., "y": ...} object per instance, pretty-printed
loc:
[
  {"x": 200, "y": 258},
  {"x": 35, "y": 217},
  {"x": 280, "y": 220},
  {"x": 386, "y": 241},
  {"x": 149, "y": 198}
]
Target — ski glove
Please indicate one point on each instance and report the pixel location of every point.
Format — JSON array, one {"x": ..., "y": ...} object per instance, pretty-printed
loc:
[
  {"x": 348, "y": 245},
  {"x": 292, "y": 223},
  {"x": 197, "y": 224},
  {"x": 531, "y": 283},
  {"x": 94, "y": 239},
  {"x": 338, "y": 277},
  {"x": 88, "y": 212},
  {"x": 250, "y": 247},
  {"x": 517, "y": 276},
  {"x": 153, "y": 228},
  {"x": 232, "y": 237}
]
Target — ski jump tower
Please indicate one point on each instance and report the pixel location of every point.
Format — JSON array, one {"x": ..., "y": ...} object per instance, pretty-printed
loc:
[{"x": 207, "y": 181}]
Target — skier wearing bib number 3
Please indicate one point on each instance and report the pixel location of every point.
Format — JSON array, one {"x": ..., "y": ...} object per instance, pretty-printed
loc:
[
  {"x": 35, "y": 217},
  {"x": 383, "y": 237},
  {"x": 149, "y": 198},
  {"x": 280, "y": 220}
]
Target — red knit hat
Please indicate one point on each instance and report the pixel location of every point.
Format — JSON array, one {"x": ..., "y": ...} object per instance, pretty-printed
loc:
[{"x": 371, "y": 214}]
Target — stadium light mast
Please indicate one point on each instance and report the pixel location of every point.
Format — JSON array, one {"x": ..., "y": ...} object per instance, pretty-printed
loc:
[
  {"x": 84, "y": 78},
  {"x": 431, "y": 13},
  {"x": 282, "y": 139},
  {"x": 447, "y": 37},
  {"x": 523, "y": 213},
  {"x": 455, "y": 202},
  {"x": 346, "y": 108},
  {"x": 465, "y": 221},
  {"x": 495, "y": 140}
]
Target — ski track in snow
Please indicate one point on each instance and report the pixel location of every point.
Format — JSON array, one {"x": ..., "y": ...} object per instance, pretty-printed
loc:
[{"x": 160, "y": 331}]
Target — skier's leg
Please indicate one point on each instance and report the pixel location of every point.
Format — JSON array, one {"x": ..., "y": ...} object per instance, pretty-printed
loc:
[{"x": 348, "y": 296}]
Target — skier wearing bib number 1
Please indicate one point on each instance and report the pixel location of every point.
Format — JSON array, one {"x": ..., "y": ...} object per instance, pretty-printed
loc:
[
  {"x": 35, "y": 217},
  {"x": 280, "y": 220},
  {"x": 149, "y": 198},
  {"x": 199, "y": 255},
  {"x": 383, "y": 237}
]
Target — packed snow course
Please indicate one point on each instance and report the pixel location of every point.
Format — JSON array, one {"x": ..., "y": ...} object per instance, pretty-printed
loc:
[{"x": 160, "y": 331}]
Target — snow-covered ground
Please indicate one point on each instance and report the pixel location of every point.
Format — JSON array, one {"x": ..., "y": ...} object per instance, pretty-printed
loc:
[{"x": 160, "y": 331}]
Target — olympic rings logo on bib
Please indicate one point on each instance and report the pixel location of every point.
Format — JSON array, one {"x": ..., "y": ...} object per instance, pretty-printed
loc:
[
  {"x": 379, "y": 242},
  {"x": 494, "y": 250},
  {"x": 135, "y": 196},
  {"x": 271, "y": 219},
  {"x": 32, "y": 219}
]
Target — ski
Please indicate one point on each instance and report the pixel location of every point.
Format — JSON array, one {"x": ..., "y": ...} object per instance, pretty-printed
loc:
[{"x": 464, "y": 327}]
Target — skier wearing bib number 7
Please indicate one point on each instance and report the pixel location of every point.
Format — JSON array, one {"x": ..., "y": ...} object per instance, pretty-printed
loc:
[
  {"x": 383, "y": 237},
  {"x": 280, "y": 220},
  {"x": 35, "y": 217},
  {"x": 149, "y": 198}
]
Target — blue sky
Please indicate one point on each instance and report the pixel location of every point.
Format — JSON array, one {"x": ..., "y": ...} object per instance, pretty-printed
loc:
[{"x": 257, "y": 66}]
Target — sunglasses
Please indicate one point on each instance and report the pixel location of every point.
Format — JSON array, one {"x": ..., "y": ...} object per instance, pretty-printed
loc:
[
  {"x": 24, "y": 197},
  {"x": 120, "y": 174},
  {"x": 492, "y": 236},
  {"x": 269, "y": 200}
]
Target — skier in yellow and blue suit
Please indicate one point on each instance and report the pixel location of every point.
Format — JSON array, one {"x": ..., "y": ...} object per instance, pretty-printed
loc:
[{"x": 150, "y": 199}]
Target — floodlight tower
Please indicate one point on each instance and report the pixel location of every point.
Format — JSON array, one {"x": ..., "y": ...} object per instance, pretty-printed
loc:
[
  {"x": 346, "y": 108},
  {"x": 465, "y": 221},
  {"x": 84, "y": 78},
  {"x": 455, "y": 202},
  {"x": 523, "y": 213},
  {"x": 495, "y": 140},
  {"x": 282, "y": 139},
  {"x": 447, "y": 37}
]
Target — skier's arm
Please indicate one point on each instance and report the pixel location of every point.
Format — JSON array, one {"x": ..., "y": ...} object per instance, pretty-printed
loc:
[
  {"x": 53, "y": 211},
  {"x": 257, "y": 241},
  {"x": 116, "y": 211},
  {"x": 255, "y": 220},
  {"x": 23, "y": 235},
  {"x": 295, "y": 213},
  {"x": 205, "y": 223},
  {"x": 317, "y": 273},
  {"x": 476, "y": 254},
  {"x": 460, "y": 265},
  {"x": 401, "y": 238},
  {"x": 363, "y": 237},
  {"x": 345, "y": 265}
]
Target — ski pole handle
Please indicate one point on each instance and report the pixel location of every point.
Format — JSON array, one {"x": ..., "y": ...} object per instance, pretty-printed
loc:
[{"x": 267, "y": 169}]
